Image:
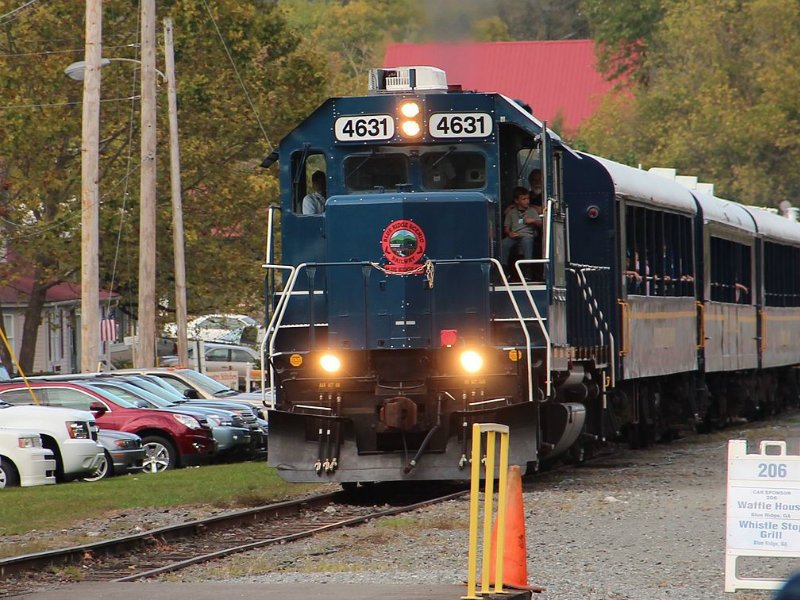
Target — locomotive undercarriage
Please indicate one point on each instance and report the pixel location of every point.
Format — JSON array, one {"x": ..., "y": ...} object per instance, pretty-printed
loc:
[{"x": 364, "y": 429}]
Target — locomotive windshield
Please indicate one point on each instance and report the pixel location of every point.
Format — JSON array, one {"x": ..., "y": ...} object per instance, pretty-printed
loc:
[
  {"x": 438, "y": 168},
  {"x": 375, "y": 171}
]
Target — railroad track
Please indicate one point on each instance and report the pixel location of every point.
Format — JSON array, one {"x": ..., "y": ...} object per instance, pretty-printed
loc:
[{"x": 167, "y": 549}]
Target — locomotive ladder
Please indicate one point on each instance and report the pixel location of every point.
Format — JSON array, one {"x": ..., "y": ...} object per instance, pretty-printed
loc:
[{"x": 595, "y": 312}]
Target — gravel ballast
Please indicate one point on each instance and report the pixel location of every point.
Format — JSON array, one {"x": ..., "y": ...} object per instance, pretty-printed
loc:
[{"x": 640, "y": 525}]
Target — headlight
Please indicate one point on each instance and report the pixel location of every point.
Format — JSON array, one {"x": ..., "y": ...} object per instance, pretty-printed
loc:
[
  {"x": 32, "y": 441},
  {"x": 128, "y": 443},
  {"x": 409, "y": 109},
  {"x": 187, "y": 421},
  {"x": 330, "y": 363},
  {"x": 410, "y": 128},
  {"x": 471, "y": 361},
  {"x": 78, "y": 430}
]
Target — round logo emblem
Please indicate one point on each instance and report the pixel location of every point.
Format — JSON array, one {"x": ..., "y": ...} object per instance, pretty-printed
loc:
[{"x": 403, "y": 244}]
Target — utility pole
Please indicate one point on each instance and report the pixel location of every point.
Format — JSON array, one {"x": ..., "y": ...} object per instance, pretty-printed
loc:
[
  {"x": 90, "y": 191},
  {"x": 177, "y": 205},
  {"x": 145, "y": 357}
]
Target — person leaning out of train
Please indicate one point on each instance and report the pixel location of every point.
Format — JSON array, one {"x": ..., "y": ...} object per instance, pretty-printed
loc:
[
  {"x": 521, "y": 226},
  {"x": 314, "y": 203}
]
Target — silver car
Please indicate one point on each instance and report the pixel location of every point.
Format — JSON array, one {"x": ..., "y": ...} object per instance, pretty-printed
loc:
[{"x": 122, "y": 453}]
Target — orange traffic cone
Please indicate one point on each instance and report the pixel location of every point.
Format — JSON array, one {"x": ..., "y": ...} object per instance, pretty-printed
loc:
[{"x": 515, "y": 564}]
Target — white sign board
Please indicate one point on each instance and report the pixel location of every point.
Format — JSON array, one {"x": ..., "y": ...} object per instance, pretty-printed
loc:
[{"x": 763, "y": 509}]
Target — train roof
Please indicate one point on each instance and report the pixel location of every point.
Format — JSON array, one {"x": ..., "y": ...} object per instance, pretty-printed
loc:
[
  {"x": 639, "y": 185},
  {"x": 775, "y": 227},
  {"x": 719, "y": 210}
]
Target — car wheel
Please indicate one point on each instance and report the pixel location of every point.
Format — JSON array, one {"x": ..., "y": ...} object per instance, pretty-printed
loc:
[
  {"x": 106, "y": 469},
  {"x": 159, "y": 454},
  {"x": 8, "y": 474}
]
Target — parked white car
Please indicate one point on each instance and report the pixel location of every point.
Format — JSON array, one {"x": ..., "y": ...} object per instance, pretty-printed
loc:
[
  {"x": 221, "y": 357},
  {"x": 23, "y": 459},
  {"x": 70, "y": 434},
  {"x": 227, "y": 328}
]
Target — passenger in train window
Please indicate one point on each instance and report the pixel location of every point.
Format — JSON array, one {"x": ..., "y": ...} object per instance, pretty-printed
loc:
[
  {"x": 521, "y": 226},
  {"x": 314, "y": 203},
  {"x": 535, "y": 194},
  {"x": 633, "y": 277},
  {"x": 741, "y": 293}
]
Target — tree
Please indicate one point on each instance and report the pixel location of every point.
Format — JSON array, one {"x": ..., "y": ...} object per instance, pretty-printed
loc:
[
  {"x": 352, "y": 35},
  {"x": 623, "y": 30},
  {"x": 721, "y": 103},
  {"x": 543, "y": 19},
  {"x": 491, "y": 29},
  {"x": 221, "y": 144}
]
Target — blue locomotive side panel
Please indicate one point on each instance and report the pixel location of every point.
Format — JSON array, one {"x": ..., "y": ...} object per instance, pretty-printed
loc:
[{"x": 396, "y": 300}]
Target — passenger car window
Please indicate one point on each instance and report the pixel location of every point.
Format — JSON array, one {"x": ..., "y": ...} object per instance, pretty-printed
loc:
[
  {"x": 241, "y": 356},
  {"x": 218, "y": 355},
  {"x": 69, "y": 398},
  {"x": 21, "y": 397}
]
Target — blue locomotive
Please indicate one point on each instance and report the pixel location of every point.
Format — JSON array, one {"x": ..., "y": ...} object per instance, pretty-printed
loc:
[{"x": 645, "y": 307}]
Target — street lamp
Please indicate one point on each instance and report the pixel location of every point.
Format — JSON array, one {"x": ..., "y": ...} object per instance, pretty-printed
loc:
[{"x": 147, "y": 275}]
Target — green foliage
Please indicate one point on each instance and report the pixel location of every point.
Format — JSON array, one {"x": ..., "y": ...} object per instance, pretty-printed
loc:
[
  {"x": 623, "y": 30},
  {"x": 543, "y": 19},
  {"x": 721, "y": 103},
  {"x": 491, "y": 29},
  {"x": 221, "y": 142}
]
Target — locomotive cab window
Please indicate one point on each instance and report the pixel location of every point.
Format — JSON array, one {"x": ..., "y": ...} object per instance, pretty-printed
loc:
[
  {"x": 448, "y": 169},
  {"x": 309, "y": 182},
  {"x": 375, "y": 172}
]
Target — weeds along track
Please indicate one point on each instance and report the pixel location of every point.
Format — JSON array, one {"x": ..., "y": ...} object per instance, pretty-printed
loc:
[{"x": 167, "y": 549}]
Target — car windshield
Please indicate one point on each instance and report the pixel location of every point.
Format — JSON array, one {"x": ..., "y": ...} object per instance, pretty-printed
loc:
[
  {"x": 134, "y": 394},
  {"x": 146, "y": 384},
  {"x": 108, "y": 395},
  {"x": 206, "y": 383}
]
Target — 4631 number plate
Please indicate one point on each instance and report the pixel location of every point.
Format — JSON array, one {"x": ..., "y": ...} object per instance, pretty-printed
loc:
[
  {"x": 364, "y": 128},
  {"x": 460, "y": 125}
]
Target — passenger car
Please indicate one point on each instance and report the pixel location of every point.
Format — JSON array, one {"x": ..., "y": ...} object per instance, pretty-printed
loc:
[
  {"x": 122, "y": 453},
  {"x": 71, "y": 435},
  {"x": 221, "y": 357},
  {"x": 170, "y": 439},
  {"x": 23, "y": 459}
]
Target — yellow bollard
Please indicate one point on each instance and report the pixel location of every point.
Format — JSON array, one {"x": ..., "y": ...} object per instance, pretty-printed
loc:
[{"x": 491, "y": 430}]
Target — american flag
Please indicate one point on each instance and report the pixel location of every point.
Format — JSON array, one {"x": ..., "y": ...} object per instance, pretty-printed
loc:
[{"x": 108, "y": 330}]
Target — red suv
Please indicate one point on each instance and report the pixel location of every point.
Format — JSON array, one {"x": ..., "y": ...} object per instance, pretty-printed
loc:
[{"x": 170, "y": 439}]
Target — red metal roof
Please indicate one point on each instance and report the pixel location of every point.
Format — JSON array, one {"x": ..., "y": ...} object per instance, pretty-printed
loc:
[{"x": 556, "y": 78}]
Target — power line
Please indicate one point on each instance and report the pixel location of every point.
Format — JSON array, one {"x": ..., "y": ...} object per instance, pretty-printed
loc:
[
  {"x": 239, "y": 77},
  {"x": 13, "y": 15}
]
